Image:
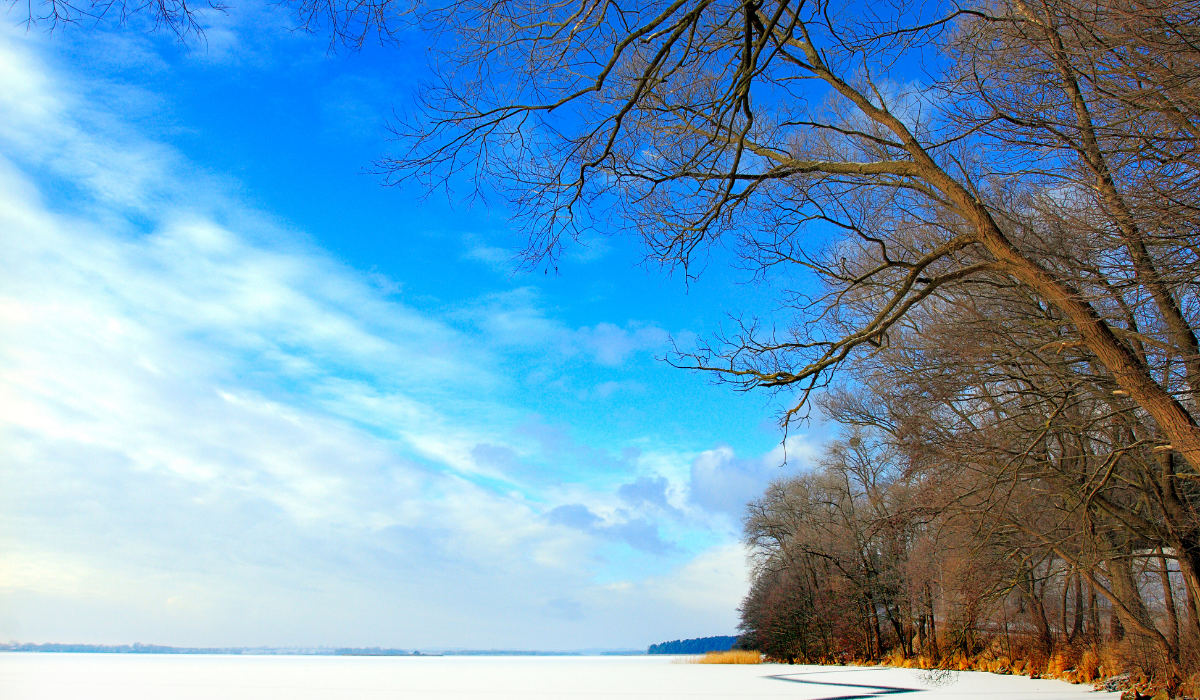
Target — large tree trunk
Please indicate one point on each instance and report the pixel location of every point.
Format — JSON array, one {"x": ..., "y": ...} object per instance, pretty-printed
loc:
[
  {"x": 1093, "y": 611},
  {"x": 1182, "y": 536},
  {"x": 1168, "y": 600},
  {"x": 933, "y": 639},
  {"x": 1077, "y": 627},
  {"x": 1130, "y": 613},
  {"x": 1037, "y": 611}
]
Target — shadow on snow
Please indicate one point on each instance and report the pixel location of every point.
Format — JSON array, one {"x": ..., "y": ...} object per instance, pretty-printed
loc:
[{"x": 874, "y": 690}]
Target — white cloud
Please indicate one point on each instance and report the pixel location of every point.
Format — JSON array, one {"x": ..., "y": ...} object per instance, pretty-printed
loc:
[
  {"x": 611, "y": 345},
  {"x": 515, "y": 319},
  {"x": 710, "y": 580},
  {"x": 699, "y": 598},
  {"x": 215, "y": 434},
  {"x": 498, "y": 259},
  {"x": 722, "y": 482}
]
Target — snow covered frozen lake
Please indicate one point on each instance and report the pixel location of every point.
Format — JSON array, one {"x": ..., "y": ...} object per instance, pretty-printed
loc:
[{"x": 154, "y": 677}]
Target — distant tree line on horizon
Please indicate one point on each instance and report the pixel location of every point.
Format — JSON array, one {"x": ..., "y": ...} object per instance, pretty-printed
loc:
[
  {"x": 700, "y": 645},
  {"x": 138, "y": 648}
]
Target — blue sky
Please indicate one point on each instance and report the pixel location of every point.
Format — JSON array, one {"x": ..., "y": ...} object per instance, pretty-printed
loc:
[{"x": 250, "y": 396}]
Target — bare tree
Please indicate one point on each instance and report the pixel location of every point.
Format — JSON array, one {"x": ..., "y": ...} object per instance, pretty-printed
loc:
[
  {"x": 1027, "y": 447},
  {"x": 347, "y": 23},
  {"x": 1030, "y": 195},
  {"x": 805, "y": 136}
]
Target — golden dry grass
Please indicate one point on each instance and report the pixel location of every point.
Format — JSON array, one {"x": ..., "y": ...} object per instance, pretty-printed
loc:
[
  {"x": 1089, "y": 666},
  {"x": 1079, "y": 664},
  {"x": 1082, "y": 663},
  {"x": 733, "y": 656}
]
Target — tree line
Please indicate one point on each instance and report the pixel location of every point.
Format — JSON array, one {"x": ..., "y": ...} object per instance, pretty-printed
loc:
[
  {"x": 969, "y": 536},
  {"x": 1002, "y": 491},
  {"x": 996, "y": 494},
  {"x": 700, "y": 645}
]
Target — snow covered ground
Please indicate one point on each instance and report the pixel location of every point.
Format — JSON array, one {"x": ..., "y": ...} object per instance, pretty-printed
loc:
[{"x": 153, "y": 677}]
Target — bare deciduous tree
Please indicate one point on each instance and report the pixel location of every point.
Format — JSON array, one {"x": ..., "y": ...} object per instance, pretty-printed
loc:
[
  {"x": 347, "y": 23},
  {"x": 891, "y": 156}
]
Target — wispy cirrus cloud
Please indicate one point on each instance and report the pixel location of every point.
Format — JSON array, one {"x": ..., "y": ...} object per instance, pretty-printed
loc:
[
  {"x": 515, "y": 319},
  {"x": 210, "y": 424}
]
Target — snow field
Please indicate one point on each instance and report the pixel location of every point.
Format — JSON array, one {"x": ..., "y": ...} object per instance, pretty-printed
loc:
[{"x": 166, "y": 677}]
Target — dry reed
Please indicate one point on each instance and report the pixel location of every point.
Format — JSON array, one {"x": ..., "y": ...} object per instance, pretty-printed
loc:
[{"x": 733, "y": 656}]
